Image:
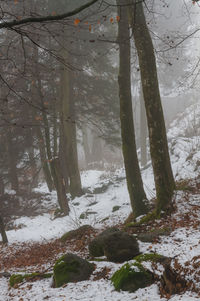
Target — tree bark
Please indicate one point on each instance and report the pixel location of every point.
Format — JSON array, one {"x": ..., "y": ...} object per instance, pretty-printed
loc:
[
  {"x": 43, "y": 158},
  {"x": 86, "y": 147},
  {"x": 96, "y": 151},
  {"x": 2, "y": 231},
  {"x": 133, "y": 175},
  {"x": 63, "y": 157},
  {"x": 69, "y": 131},
  {"x": 12, "y": 162},
  {"x": 143, "y": 131},
  {"x": 163, "y": 175},
  {"x": 60, "y": 186}
]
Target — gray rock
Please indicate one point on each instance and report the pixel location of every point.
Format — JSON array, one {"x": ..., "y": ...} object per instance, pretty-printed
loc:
[
  {"x": 96, "y": 246},
  {"x": 120, "y": 247}
]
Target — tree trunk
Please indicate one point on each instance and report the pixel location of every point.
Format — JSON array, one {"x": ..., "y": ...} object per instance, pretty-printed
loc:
[
  {"x": 163, "y": 175},
  {"x": 86, "y": 147},
  {"x": 43, "y": 158},
  {"x": 133, "y": 176},
  {"x": 2, "y": 187},
  {"x": 12, "y": 162},
  {"x": 69, "y": 130},
  {"x": 55, "y": 132},
  {"x": 2, "y": 231},
  {"x": 143, "y": 131},
  {"x": 32, "y": 160},
  {"x": 60, "y": 186},
  {"x": 96, "y": 151},
  {"x": 63, "y": 157}
]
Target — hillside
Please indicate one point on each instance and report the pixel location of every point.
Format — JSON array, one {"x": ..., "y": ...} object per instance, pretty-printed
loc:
[{"x": 34, "y": 243}]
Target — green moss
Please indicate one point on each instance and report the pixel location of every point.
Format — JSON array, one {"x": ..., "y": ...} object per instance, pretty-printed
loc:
[
  {"x": 83, "y": 216},
  {"x": 62, "y": 269},
  {"x": 98, "y": 259},
  {"x": 105, "y": 219},
  {"x": 66, "y": 236},
  {"x": 149, "y": 257},
  {"x": 150, "y": 216},
  {"x": 131, "y": 277},
  {"x": 37, "y": 275},
  {"x": 76, "y": 234},
  {"x": 15, "y": 279},
  {"x": 96, "y": 249},
  {"x": 116, "y": 208}
]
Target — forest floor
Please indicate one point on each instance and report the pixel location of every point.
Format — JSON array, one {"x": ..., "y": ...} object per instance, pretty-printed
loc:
[{"x": 34, "y": 239}]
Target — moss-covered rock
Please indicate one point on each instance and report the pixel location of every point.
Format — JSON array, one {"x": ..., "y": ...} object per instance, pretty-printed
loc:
[
  {"x": 116, "y": 208},
  {"x": 96, "y": 246},
  {"x": 15, "y": 279},
  {"x": 84, "y": 215},
  {"x": 76, "y": 234},
  {"x": 71, "y": 268},
  {"x": 131, "y": 277},
  {"x": 153, "y": 257},
  {"x": 120, "y": 247}
]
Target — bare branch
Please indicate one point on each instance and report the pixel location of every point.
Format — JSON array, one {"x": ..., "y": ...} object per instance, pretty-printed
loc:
[{"x": 46, "y": 18}]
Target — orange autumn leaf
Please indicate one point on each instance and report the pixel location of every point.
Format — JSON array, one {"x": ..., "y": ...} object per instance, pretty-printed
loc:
[
  {"x": 90, "y": 28},
  {"x": 111, "y": 20},
  {"x": 77, "y": 21},
  {"x": 117, "y": 18}
]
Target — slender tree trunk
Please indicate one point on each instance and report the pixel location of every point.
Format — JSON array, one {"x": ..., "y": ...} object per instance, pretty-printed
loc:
[
  {"x": 163, "y": 175},
  {"x": 60, "y": 186},
  {"x": 143, "y": 131},
  {"x": 63, "y": 157},
  {"x": 133, "y": 176},
  {"x": 2, "y": 231},
  {"x": 44, "y": 161},
  {"x": 54, "y": 165},
  {"x": 33, "y": 166},
  {"x": 86, "y": 147},
  {"x": 12, "y": 162},
  {"x": 55, "y": 132},
  {"x": 96, "y": 152},
  {"x": 69, "y": 130}
]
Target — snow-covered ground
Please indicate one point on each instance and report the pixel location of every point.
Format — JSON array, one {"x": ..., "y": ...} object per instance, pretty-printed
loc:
[{"x": 97, "y": 208}]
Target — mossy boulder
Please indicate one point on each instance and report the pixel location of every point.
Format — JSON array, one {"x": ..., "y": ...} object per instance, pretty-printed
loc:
[
  {"x": 120, "y": 247},
  {"x": 71, "y": 268},
  {"x": 131, "y": 277},
  {"x": 152, "y": 257},
  {"x": 77, "y": 234},
  {"x": 96, "y": 246}
]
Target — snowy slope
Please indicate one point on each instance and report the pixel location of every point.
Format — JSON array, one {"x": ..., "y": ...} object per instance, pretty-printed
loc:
[{"x": 98, "y": 209}]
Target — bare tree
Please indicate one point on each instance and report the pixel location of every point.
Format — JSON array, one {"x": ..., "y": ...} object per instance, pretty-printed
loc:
[
  {"x": 164, "y": 180},
  {"x": 133, "y": 176}
]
